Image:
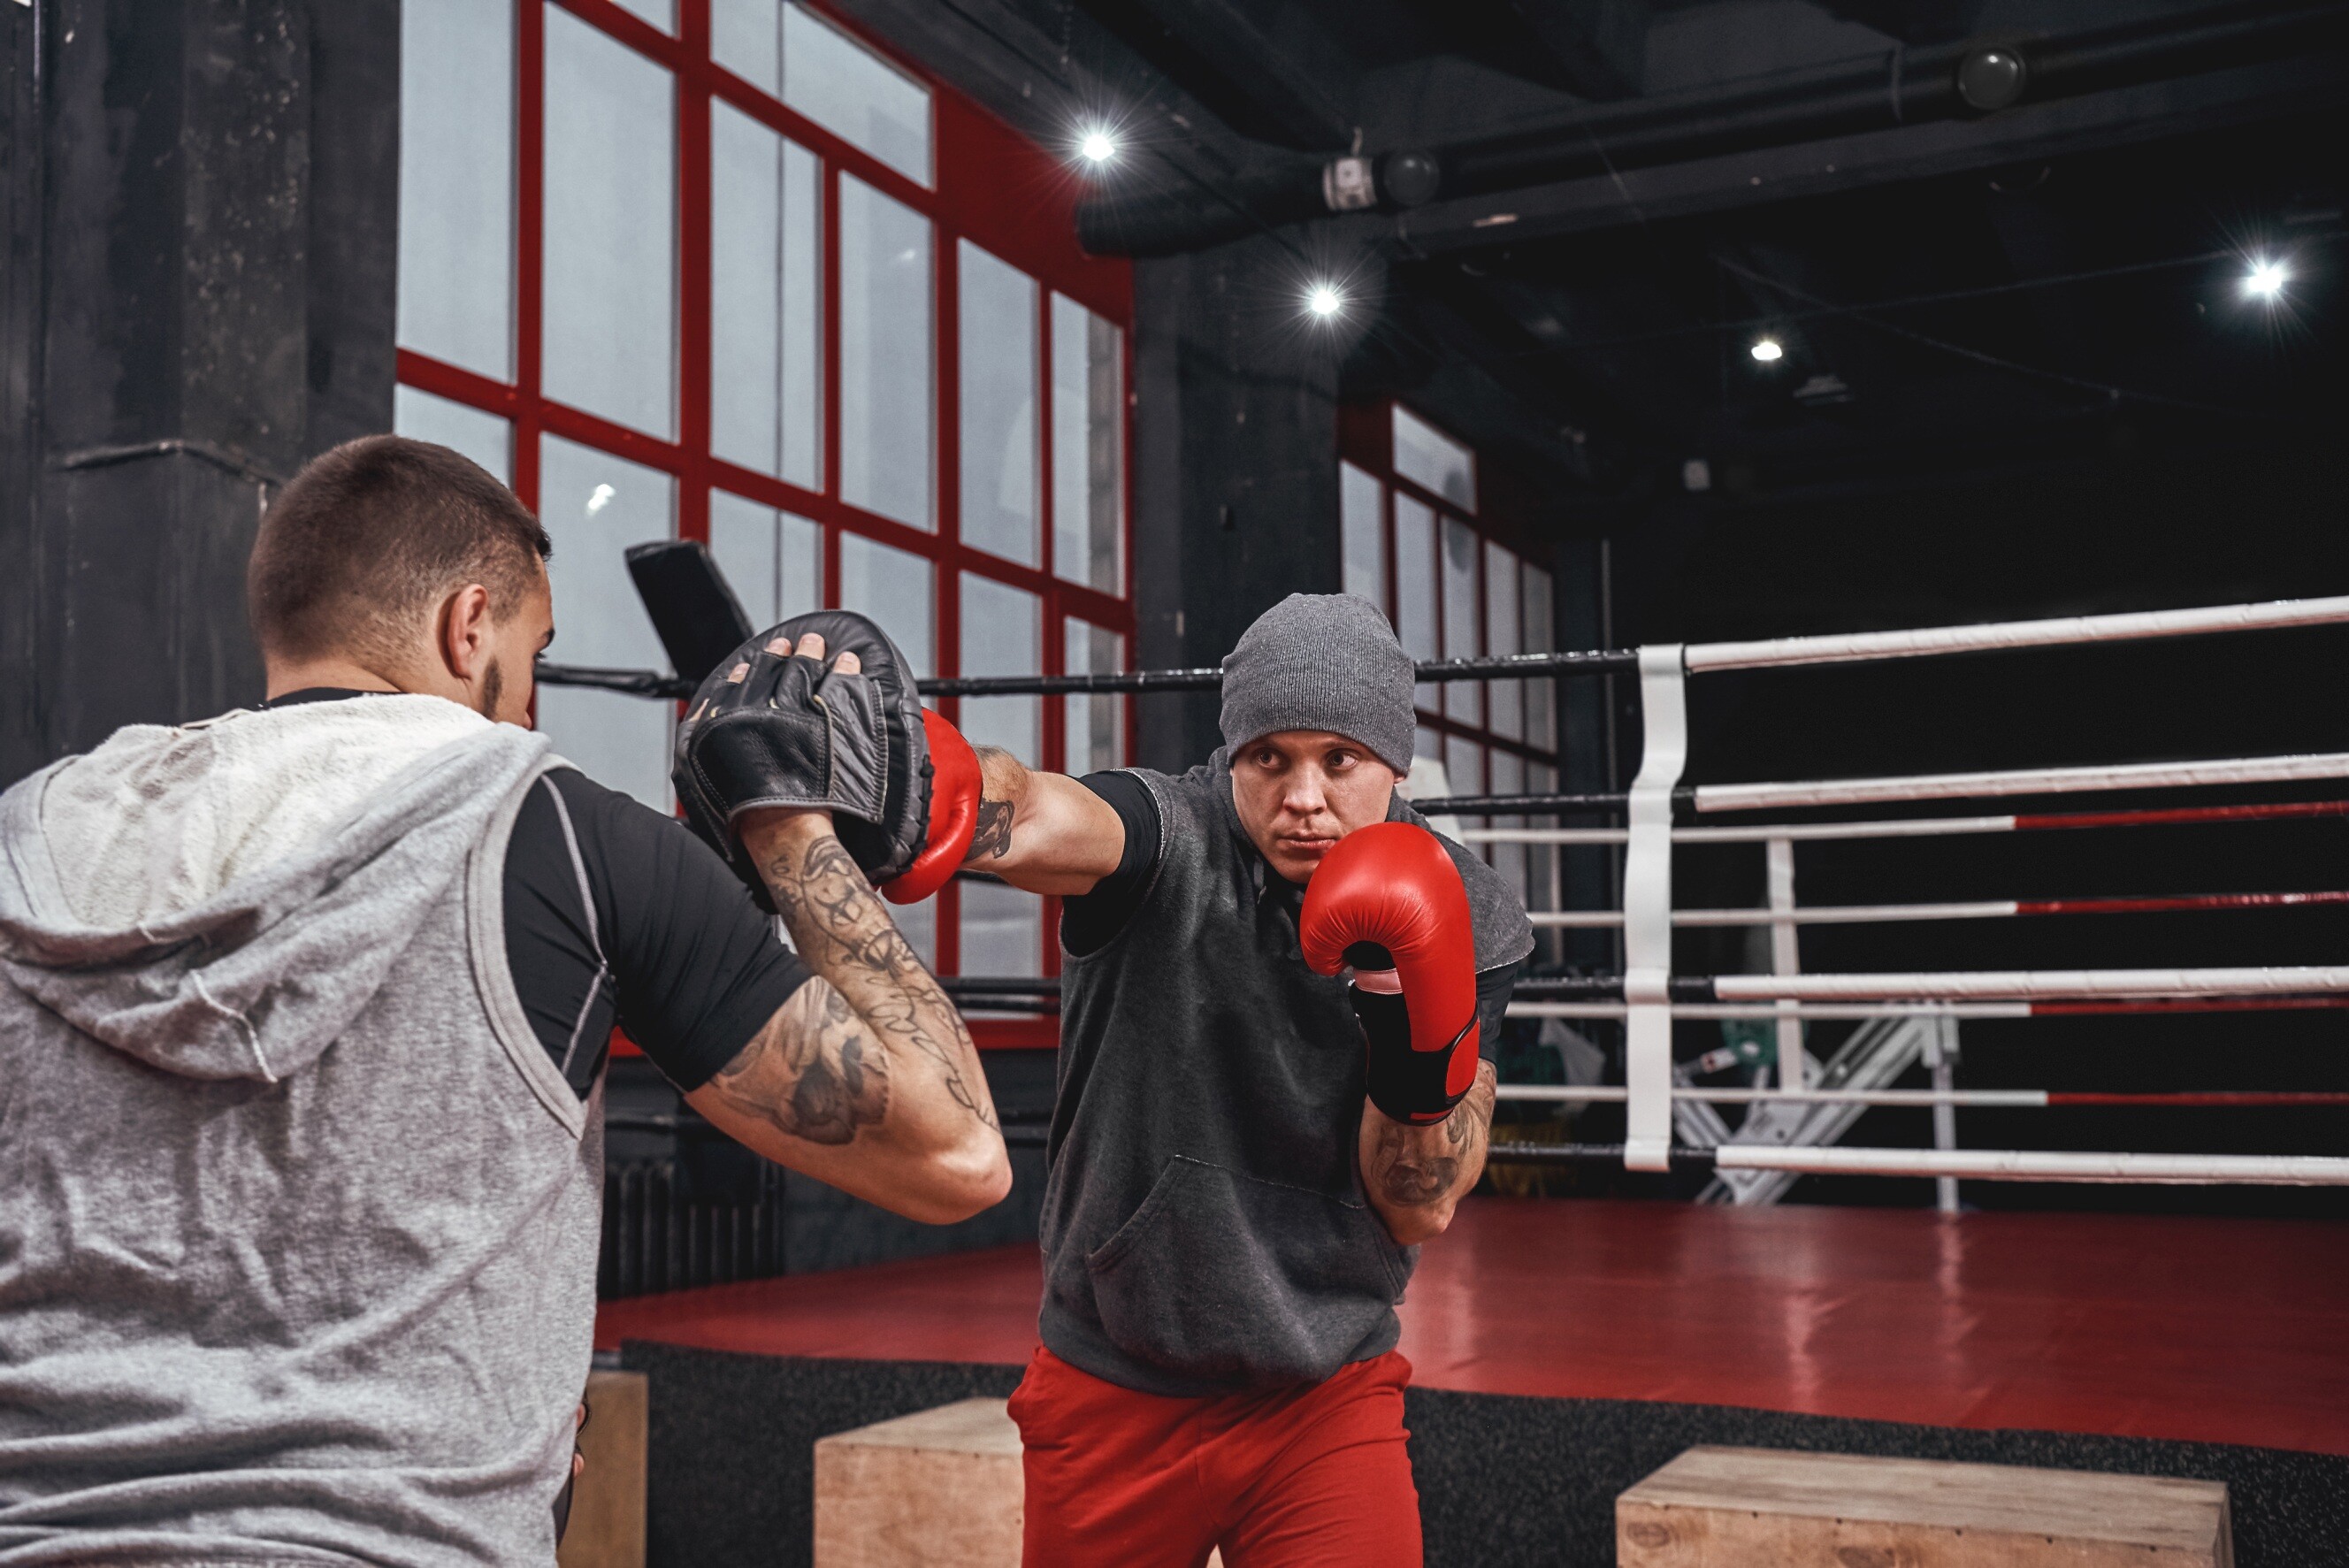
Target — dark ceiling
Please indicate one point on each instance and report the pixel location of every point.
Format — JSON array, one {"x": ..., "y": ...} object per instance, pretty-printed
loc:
[{"x": 1630, "y": 196}]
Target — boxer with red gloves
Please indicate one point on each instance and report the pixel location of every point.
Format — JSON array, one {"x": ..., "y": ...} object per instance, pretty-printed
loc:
[{"x": 1247, "y": 1148}]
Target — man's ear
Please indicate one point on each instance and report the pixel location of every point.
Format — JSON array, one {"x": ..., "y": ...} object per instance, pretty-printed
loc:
[{"x": 465, "y": 632}]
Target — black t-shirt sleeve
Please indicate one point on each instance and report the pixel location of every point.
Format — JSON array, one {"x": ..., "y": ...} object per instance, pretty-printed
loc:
[
  {"x": 1493, "y": 988},
  {"x": 676, "y": 952},
  {"x": 1089, "y": 920}
]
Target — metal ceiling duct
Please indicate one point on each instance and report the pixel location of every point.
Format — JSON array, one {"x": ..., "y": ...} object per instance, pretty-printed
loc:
[{"x": 1905, "y": 88}]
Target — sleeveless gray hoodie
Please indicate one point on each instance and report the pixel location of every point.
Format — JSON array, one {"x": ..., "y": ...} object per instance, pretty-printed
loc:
[
  {"x": 1203, "y": 1225},
  {"x": 297, "y": 1220}
]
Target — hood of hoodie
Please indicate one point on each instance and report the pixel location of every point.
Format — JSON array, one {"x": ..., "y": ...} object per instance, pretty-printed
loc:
[{"x": 219, "y": 900}]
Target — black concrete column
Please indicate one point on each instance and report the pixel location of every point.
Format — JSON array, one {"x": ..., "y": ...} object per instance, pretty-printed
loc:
[
  {"x": 214, "y": 268},
  {"x": 1587, "y": 754},
  {"x": 1236, "y": 470}
]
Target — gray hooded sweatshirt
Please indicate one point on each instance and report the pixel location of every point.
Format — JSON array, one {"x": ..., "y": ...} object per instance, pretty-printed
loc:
[{"x": 297, "y": 1220}]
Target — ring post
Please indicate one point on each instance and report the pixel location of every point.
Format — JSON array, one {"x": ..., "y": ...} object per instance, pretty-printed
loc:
[
  {"x": 1648, "y": 911},
  {"x": 1785, "y": 957},
  {"x": 1942, "y": 1061}
]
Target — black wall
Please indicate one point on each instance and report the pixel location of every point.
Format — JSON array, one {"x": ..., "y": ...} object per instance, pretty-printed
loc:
[{"x": 204, "y": 215}]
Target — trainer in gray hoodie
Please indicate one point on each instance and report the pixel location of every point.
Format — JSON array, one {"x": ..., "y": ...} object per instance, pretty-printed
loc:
[{"x": 298, "y": 1219}]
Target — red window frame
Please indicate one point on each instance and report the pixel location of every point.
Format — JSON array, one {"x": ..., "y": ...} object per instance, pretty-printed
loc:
[{"x": 991, "y": 186}]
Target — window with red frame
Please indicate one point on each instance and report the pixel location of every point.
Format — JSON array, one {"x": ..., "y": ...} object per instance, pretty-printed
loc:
[
  {"x": 1426, "y": 538},
  {"x": 724, "y": 270}
]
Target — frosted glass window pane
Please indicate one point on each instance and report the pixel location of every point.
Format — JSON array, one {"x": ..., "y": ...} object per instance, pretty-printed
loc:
[
  {"x": 1415, "y": 586},
  {"x": 746, "y": 37},
  {"x": 1508, "y": 778},
  {"x": 1508, "y": 772},
  {"x": 594, "y": 506},
  {"x": 772, "y": 561},
  {"x": 919, "y": 922},
  {"x": 1541, "y": 860},
  {"x": 457, "y": 182},
  {"x": 893, "y": 586},
  {"x": 1504, "y": 701},
  {"x": 998, "y": 317},
  {"x": 487, "y": 439},
  {"x": 1360, "y": 552},
  {"x": 848, "y": 90},
  {"x": 803, "y": 553},
  {"x": 610, "y": 221},
  {"x": 1094, "y": 719},
  {"x": 661, "y": 13},
  {"x": 1002, "y": 930},
  {"x": 746, "y": 546},
  {"x": 1427, "y": 743},
  {"x": 1460, "y": 564},
  {"x": 1541, "y": 695},
  {"x": 999, "y": 638},
  {"x": 1087, "y": 447},
  {"x": 766, "y": 344},
  {"x": 886, "y": 369},
  {"x": 1464, "y": 760},
  {"x": 1433, "y": 460}
]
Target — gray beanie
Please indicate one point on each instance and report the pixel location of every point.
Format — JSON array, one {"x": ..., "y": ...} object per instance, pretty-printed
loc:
[{"x": 1321, "y": 661}]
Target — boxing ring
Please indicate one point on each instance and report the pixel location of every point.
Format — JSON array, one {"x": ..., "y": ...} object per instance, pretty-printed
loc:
[
  {"x": 1646, "y": 998},
  {"x": 2091, "y": 1341}
]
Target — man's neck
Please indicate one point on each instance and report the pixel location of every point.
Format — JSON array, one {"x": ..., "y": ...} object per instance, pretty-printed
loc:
[{"x": 337, "y": 674}]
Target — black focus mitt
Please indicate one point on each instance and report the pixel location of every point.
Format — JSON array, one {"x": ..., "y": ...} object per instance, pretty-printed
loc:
[{"x": 767, "y": 727}]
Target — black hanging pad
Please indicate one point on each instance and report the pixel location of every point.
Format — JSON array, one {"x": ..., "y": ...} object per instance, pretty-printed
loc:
[{"x": 698, "y": 617}]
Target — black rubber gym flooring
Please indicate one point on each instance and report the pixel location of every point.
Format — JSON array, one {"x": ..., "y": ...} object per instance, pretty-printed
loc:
[{"x": 1503, "y": 1482}]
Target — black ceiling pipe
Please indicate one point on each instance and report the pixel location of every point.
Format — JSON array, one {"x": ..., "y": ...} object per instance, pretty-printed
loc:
[{"x": 1905, "y": 88}]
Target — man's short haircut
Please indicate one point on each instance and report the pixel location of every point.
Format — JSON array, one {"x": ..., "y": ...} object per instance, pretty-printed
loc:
[{"x": 367, "y": 538}]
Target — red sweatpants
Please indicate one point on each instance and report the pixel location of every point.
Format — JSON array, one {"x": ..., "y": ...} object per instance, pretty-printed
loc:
[{"x": 1296, "y": 1478}]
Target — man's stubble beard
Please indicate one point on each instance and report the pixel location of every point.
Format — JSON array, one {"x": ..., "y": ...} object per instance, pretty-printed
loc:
[{"x": 494, "y": 686}]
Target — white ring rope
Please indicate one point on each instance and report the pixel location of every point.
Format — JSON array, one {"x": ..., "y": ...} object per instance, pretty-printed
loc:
[
  {"x": 2037, "y": 1165},
  {"x": 1825, "y": 1012},
  {"x": 2022, "y": 781},
  {"x": 2033, "y": 983},
  {"x": 1847, "y": 647},
  {"x": 1605, "y": 1094},
  {"x": 1973, "y": 909}
]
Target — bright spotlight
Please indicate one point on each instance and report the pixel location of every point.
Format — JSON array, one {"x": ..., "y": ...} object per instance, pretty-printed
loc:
[
  {"x": 2266, "y": 279},
  {"x": 1767, "y": 351},
  {"x": 1324, "y": 300},
  {"x": 1097, "y": 147}
]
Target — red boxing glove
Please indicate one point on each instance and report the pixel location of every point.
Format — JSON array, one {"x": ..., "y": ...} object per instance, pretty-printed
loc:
[
  {"x": 953, "y": 813},
  {"x": 1390, "y": 894}
]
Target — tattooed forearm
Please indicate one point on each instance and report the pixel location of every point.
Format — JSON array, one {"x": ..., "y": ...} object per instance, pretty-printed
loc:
[
  {"x": 812, "y": 1072},
  {"x": 1423, "y": 1167},
  {"x": 1001, "y": 777},
  {"x": 1415, "y": 1182},
  {"x": 843, "y": 931},
  {"x": 993, "y": 838}
]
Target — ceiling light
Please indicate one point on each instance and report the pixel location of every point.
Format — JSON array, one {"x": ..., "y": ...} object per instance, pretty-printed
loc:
[
  {"x": 1767, "y": 351},
  {"x": 1991, "y": 79},
  {"x": 1097, "y": 147},
  {"x": 2266, "y": 279},
  {"x": 1324, "y": 300}
]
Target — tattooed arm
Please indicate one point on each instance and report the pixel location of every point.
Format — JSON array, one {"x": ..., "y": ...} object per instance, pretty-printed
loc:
[
  {"x": 866, "y": 1077},
  {"x": 1414, "y": 1175},
  {"x": 1045, "y": 832}
]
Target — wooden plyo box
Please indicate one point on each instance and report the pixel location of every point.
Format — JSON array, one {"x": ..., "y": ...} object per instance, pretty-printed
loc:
[
  {"x": 607, "y": 1507},
  {"x": 936, "y": 1486},
  {"x": 1769, "y": 1508}
]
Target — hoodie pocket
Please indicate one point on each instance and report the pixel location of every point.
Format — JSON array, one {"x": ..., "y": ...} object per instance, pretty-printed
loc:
[{"x": 1220, "y": 1275}]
